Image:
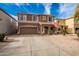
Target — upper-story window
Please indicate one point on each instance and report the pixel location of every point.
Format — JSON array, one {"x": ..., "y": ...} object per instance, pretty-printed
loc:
[
  {"x": 22, "y": 17},
  {"x": 43, "y": 17},
  {"x": 34, "y": 18},
  {"x": 49, "y": 19}
]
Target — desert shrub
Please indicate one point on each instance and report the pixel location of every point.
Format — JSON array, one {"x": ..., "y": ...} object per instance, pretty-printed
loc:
[{"x": 51, "y": 31}]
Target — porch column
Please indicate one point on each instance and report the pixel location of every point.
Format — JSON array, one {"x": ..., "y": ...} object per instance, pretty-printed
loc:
[
  {"x": 49, "y": 29},
  {"x": 41, "y": 29},
  {"x": 18, "y": 30}
]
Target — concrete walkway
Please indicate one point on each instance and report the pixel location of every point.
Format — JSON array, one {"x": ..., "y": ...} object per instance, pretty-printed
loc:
[{"x": 37, "y": 45}]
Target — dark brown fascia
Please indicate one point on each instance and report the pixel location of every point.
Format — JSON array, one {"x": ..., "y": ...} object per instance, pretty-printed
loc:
[{"x": 33, "y": 14}]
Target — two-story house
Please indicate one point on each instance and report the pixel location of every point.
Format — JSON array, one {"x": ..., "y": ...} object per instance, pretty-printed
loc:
[{"x": 34, "y": 23}]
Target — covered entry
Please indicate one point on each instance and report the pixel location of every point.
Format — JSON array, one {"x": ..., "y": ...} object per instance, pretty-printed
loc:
[
  {"x": 48, "y": 28},
  {"x": 45, "y": 30},
  {"x": 28, "y": 30}
]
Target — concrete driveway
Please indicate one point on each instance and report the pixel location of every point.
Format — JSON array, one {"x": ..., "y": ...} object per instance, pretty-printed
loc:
[{"x": 40, "y": 45}]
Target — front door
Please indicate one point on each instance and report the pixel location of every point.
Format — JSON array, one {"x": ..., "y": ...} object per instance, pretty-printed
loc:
[{"x": 46, "y": 30}]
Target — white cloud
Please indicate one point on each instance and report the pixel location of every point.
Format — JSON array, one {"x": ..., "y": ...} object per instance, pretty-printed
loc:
[
  {"x": 47, "y": 7},
  {"x": 67, "y": 10},
  {"x": 66, "y": 7},
  {"x": 18, "y": 4},
  {"x": 63, "y": 7}
]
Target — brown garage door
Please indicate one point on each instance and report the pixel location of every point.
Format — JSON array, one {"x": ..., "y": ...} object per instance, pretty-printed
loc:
[{"x": 28, "y": 30}]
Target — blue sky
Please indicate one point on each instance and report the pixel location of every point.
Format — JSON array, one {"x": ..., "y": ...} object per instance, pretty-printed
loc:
[{"x": 59, "y": 10}]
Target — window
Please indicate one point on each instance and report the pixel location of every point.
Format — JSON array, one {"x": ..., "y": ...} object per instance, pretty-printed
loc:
[
  {"x": 22, "y": 17},
  {"x": 35, "y": 18},
  {"x": 49, "y": 19},
  {"x": 43, "y": 17}
]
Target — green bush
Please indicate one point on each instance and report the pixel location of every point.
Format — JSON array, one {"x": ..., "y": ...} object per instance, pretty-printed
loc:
[
  {"x": 77, "y": 33},
  {"x": 2, "y": 36},
  {"x": 51, "y": 31}
]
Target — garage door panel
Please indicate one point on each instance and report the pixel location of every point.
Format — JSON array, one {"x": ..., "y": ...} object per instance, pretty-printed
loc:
[{"x": 28, "y": 30}]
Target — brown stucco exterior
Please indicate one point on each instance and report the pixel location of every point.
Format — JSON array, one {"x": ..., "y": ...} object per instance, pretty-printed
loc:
[{"x": 34, "y": 27}]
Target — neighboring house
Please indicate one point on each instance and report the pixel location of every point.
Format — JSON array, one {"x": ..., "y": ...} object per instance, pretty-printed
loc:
[
  {"x": 61, "y": 22},
  {"x": 34, "y": 23},
  {"x": 72, "y": 23},
  {"x": 7, "y": 23},
  {"x": 69, "y": 22}
]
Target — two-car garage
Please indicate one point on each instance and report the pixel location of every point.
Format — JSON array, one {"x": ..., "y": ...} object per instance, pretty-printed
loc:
[
  {"x": 28, "y": 30},
  {"x": 28, "y": 27}
]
